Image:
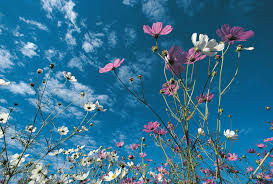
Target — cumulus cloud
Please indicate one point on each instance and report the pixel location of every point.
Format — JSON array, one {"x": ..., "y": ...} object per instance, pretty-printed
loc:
[
  {"x": 70, "y": 40},
  {"x": 29, "y": 49},
  {"x": 76, "y": 63},
  {"x": 112, "y": 39},
  {"x": 20, "y": 88},
  {"x": 5, "y": 60},
  {"x": 130, "y": 35},
  {"x": 34, "y": 23},
  {"x": 155, "y": 10}
]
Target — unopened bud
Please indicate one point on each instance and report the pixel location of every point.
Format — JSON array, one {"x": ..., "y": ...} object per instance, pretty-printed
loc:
[
  {"x": 143, "y": 138},
  {"x": 164, "y": 53},
  {"x": 267, "y": 108},
  {"x": 32, "y": 84},
  {"x": 218, "y": 57},
  {"x": 82, "y": 94},
  {"x": 51, "y": 65},
  {"x": 131, "y": 79},
  {"x": 39, "y": 71},
  {"x": 139, "y": 76},
  {"x": 230, "y": 116},
  {"x": 239, "y": 48},
  {"x": 214, "y": 74},
  {"x": 154, "y": 48}
]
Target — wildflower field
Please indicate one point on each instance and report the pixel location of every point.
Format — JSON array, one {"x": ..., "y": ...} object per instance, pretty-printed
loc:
[{"x": 136, "y": 92}]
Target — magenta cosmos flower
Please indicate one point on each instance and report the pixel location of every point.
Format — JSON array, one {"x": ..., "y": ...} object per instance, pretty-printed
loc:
[
  {"x": 169, "y": 88},
  {"x": 119, "y": 144},
  {"x": 160, "y": 132},
  {"x": 228, "y": 34},
  {"x": 174, "y": 60},
  {"x": 151, "y": 126},
  {"x": 232, "y": 157},
  {"x": 268, "y": 139},
  {"x": 193, "y": 56},
  {"x": 142, "y": 154},
  {"x": 157, "y": 30},
  {"x": 111, "y": 66},
  {"x": 206, "y": 98}
]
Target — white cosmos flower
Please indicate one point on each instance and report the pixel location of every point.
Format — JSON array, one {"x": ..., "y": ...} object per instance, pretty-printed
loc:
[
  {"x": 111, "y": 176},
  {"x": 3, "y": 82},
  {"x": 56, "y": 152},
  {"x": 4, "y": 117},
  {"x": 69, "y": 77},
  {"x": 38, "y": 175},
  {"x": 63, "y": 130},
  {"x": 124, "y": 172},
  {"x": 81, "y": 177},
  {"x": 30, "y": 129},
  {"x": 230, "y": 134},
  {"x": 14, "y": 159},
  {"x": 206, "y": 46},
  {"x": 89, "y": 106},
  {"x": 201, "y": 131},
  {"x": 100, "y": 107},
  {"x": 1, "y": 133}
]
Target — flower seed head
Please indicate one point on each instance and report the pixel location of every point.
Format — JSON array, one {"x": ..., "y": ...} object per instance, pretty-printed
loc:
[{"x": 239, "y": 48}]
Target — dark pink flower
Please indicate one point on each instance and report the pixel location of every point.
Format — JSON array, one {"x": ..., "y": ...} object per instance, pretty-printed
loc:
[
  {"x": 157, "y": 30},
  {"x": 111, "y": 66},
  {"x": 151, "y": 126},
  {"x": 232, "y": 157},
  {"x": 142, "y": 154},
  {"x": 235, "y": 33},
  {"x": 134, "y": 146},
  {"x": 174, "y": 60},
  {"x": 261, "y": 145},
  {"x": 193, "y": 56},
  {"x": 170, "y": 87},
  {"x": 160, "y": 132},
  {"x": 251, "y": 151},
  {"x": 119, "y": 144},
  {"x": 206, "y": 98}
]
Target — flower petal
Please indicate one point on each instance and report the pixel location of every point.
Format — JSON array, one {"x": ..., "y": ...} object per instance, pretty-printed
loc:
[
  {"x": 147, "y": 30},
  {"x": 193, "y": 38},
  {"x": 157, "y": 27},
  {"x": 166, "y": 30}
]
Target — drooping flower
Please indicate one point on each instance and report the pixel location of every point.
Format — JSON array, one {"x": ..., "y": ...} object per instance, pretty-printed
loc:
[
  {"x": 170, "y": 88},
  {"x": 204, "y": 98},
  {"x": 69, "y": 77},
  {"x": 232, "y": 157},
  {"x": 111, "y": 66},
  {"x": 236, "y": 33},
  {"x": 151, "y": 126},
  {"x": 111, "y": 176},
  {"x": 206, "y": 46},
  {"x": 4, "y": 117},
  {"x": 3, "y": 82},
  {"x": 201, "y": 131},
  {"x": 119, "y": 144},
  {"x": 193, "y": 56},
  {"x": 30, "y": 129},
  {"x": 157, "y": 30},
  {"x": 261, "y": 145},
  {"x": 160, "y": 132},
  {"x": 174, "y": 60},
  {"x": 230, "y": 134},
  {"x": 63, "y": 130},
  {"x": 142, "y": 154},
  {"x": 89, "y": 106},
  {"x": 100, "y": 107}
]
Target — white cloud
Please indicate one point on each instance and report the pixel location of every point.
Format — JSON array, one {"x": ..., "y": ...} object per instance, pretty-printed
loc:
[
  {"x": 129, "y": 2},
  {"x": 92, "y": 41},
  {"x": 130, "y": 35},
  {"x": 69, "y": 13},
  {"x": 112, "y": 39},
  {"x": 70, "y": 40},
  {"x": 5, "y": 60},
  {"x": 3, "y": 101},
  {"x": 34, "y": 23},
  {"x": 20, "y": 88},
  {"x": 76, "y": 63},
  {"x": 29, "y": 49},
  {"x": 155, "y": 10},
  {"x": 50, "y": 53}
]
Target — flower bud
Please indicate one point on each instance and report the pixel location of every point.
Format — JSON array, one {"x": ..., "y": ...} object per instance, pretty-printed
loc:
[
  {"x": 32, "y": 84},
  {"x": 144, "y": 145},
  {"x": 139, "y": 76},
  {"x": 239, "y": 48},
  {"x": 131, "y": 79},
  {"x": 230, "y": 116},
  {"x": 161, "y": 91},
  {"x": 51, "y": 65},
  {"x": 267, "y": 108},
  {"x": 221, "y": 110},
  {"x": 164, "y": 53},
  {"x": 130, "y": 157},
  {"x": 243, "y": 156},
  {"x": 82, "y": 94},
  {"x": 218, "y": 57},
  {"x": 214, "y": 73},
  {"x": 39, "y": 71},
  {"x": 154, "y": 48}
]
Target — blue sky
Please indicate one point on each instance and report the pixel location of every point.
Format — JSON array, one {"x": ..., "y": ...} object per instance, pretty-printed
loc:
[{"x": 82, "y": 36}]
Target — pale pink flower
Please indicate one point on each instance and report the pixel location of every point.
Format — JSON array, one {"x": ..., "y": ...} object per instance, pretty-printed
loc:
[
  {"x": 134, "y": 146},
  {"x": 249, "y": 169},
  {"x": 119, "y": 144},
  {"x": 111, "y": 66},
  {"x": 142, "y": 154},
  {"x": 193, "y": 56},
  {"x": 268, "y": 139},
  {"x": 151, "y": 126},
  {"x": 232, "y": 157},
  {"x": 160, "y": 132},
  {"x": 261, "y": 145},
  {"x": 157, "y": 30}
]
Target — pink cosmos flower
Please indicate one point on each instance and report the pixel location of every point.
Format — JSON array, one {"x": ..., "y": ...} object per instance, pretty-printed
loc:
[
  {"x": 206, "y": 98},
  {"x": 134, "y": 146},
  {"x": 148, "y": 160},
  {"x": 268, "y": 139},
  {"x": 102, "y": 154},
  {"x": 249, "y": 169},
  {"x": 169, "y": 88},
  {"x": 261, "y": 145},
  {"x": 119, "y": 144},
  {"x": 209, "y": 181},
  {"x": 174, "y": 60},
  {"x": 235, "y": 33},
  {"x": 271, "y": 164},
  {"x": 161, "y": 169},
  {"x": 142, "y": 154},
  {"x": 193, "y": 56},
  {"x": 232, "y": 157},
  {"x": 157, "y": 30},
  {"x": 251, "y": 151},
  {"x": 160, "y": 132},
  {"x": 111, "y": 66},
  {"x": 151, "y": 126}
]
